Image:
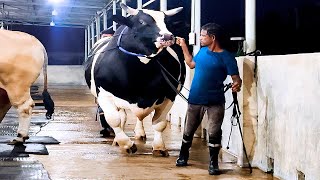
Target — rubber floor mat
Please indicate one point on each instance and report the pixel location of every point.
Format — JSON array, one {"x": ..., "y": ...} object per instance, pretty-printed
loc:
[
  {"x": 22, "y": 150},
  {"x": 32, "y": 139},
  {"x": 22, "y": 168}
]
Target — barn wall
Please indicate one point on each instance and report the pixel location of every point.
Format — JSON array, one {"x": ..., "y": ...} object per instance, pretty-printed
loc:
[
  {"x": 288, "y": 115},
  {"x": 280, "y": 115},
  {"x": 64, "y": 75}
]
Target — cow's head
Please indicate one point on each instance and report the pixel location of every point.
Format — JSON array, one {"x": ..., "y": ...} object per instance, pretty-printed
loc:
[{"x": 147, "y": 32}]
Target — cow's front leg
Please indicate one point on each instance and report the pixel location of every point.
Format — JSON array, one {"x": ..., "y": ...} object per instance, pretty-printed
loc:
[
  {"x": 24, "y": 111},
  {"x": 140, "y": 134},
  {"x": 113, "y": 116},
  {"x": 159, "y": 124}
]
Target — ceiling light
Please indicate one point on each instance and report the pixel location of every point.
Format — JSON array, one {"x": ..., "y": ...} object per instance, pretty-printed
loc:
[
  {"x": 54, "y": 13},
  {"x": 52, "y": 23},
  {"x": 55, "y": 1}
]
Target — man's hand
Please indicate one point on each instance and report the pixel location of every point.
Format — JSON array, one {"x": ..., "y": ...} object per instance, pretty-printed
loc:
[
  {"x": 181, "y": 41},
  {"x": 236, "y": 85}
]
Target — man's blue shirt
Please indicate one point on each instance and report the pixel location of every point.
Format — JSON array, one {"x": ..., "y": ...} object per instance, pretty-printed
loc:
[{"x": 211, "y": 70}]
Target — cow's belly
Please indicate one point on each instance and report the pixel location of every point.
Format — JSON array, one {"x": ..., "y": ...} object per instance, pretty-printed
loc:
[{"x": 110, "y": 99}]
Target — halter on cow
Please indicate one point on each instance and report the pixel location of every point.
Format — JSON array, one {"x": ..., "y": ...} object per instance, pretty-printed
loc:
[
  {"x": 124, "y": 73},
  {"x": 22, "y": 58}
]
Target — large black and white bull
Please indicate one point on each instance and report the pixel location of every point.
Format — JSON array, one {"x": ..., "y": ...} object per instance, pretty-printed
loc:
[
  {"x": 22, "y": 58},
  {"x": 133, "y": 71}
]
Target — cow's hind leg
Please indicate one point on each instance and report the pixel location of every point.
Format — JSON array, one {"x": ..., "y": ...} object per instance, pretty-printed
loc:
[
  {"x": 140, "y": 134},
  {"x": 159, "y": 124},
  {"x": 24, "y": 106},
  {"x": 113, "y": 116},
  {"x": 4, "y": 103}
]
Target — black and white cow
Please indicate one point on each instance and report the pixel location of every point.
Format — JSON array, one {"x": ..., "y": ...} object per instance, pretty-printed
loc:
[{"x": 131, "y": 71}]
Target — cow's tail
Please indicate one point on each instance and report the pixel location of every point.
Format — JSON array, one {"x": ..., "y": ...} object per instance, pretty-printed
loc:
[{"x": 47, "y": 100}]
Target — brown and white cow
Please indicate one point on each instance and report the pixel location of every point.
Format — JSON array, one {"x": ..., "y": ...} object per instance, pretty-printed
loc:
[{"x": 22, "y": 57}]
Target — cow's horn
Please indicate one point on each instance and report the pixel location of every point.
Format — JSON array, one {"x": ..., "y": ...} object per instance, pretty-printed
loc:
[
  {"x": 173, "y": 11},
  {"x": 129, "y": 10}
]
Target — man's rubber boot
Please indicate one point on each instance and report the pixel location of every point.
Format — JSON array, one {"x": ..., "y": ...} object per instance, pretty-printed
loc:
[
  {"x": 213, "y": 165},
  {"x": 184, "y": 154}
]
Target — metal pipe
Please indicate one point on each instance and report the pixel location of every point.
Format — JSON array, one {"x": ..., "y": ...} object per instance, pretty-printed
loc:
[
  {"x": 197, "y": 24},
  {"x": 98, "y": 29},
  {"x": 85, "y": 44},
  {"x": 139, "y": 4},
  {"x": 163, "y": 5},
  {"x": 89, "y": 38},
  {"x": 92, "y": 34},
  {"x": 114, "y": 12},
  {"x": 147, "y": 3},
  {"x": 250, "y": 25},
  {"x": 105, "y": 19},
  {"x": 124, "y": 13}
]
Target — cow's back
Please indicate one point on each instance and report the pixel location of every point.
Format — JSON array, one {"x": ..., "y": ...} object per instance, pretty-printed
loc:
[{"x": 22, "y": 56}]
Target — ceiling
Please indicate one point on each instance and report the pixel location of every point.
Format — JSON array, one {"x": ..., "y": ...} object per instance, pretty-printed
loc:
[{"x": 71, "y": 13}]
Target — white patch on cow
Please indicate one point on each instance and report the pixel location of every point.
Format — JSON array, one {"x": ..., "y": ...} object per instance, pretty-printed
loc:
[
  {"x": 144, "y": 60},
  {"x": 174, "y": 54},
  {"x": 159, "y": 124},
  {"x": 158, "y": 16},
  {"x": 139, "y": 129},
  {"x": 93, "y": 88}
]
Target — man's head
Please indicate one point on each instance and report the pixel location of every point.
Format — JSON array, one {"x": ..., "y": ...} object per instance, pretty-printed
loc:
[
  {"x": 107, "y": 33},
  {"x": 212, "y": 33}
]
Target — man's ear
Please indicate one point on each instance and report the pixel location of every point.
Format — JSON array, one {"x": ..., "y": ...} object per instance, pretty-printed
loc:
[
  {"x": 122, "y": 20},
  {"x": 213, "y": 37}
]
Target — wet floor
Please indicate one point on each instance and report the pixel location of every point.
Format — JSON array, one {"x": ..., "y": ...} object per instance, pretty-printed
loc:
[{"x": 84, "y": 154}]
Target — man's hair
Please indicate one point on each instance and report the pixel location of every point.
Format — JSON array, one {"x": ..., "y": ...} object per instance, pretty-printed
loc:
[
  {"x": 216, "y": 30},
  {"x": 107, "y": 31}
]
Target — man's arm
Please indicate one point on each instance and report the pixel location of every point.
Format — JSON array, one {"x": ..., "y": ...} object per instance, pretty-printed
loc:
[{"x": 187, "y": 56}]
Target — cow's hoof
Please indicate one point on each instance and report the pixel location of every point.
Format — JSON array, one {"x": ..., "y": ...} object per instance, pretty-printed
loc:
[
  {"x": 141, "y": 138},
  {"x": 115, "y": 143},
  {"x": 133, "y": 149},
  {"x": 160, "y": 153},
  {"x": 15, "y": 142}
]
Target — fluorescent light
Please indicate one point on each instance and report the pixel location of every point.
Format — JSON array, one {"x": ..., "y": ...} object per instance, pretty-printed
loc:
[
  {"x": 56, "y": 1},
  {"x": 52, "y": 23},
  {"x": 54, "y": 13}
]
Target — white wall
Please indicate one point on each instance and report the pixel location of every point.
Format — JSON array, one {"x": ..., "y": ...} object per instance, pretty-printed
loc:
[
  {"x": 64, "y": 75},
  {"x": 288, "y": 109}
]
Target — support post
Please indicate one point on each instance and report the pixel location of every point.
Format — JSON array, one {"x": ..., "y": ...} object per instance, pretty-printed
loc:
[
  {"x": 105, "y": 19},
  {"x": 250, "y": 25},
  {"x": 85, "y": 44},
  {"x": 92, "y": 34},
  {"x": 114, "y": 12},
  {"x": 124, "y": 13},
  {"x": 139, "y": 4},
  {"x": 163, "y": 5},
  {"x": 98, "y": 30}
]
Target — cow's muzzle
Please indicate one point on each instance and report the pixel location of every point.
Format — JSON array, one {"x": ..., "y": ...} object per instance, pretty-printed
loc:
[{"x": 166, "y": 40}]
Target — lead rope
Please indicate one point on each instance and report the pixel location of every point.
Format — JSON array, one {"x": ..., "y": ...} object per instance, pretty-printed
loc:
[{"x": 236, "y": 115}]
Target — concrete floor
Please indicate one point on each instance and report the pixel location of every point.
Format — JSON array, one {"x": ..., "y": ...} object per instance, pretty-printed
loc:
[{"x": 83, "y": 154}]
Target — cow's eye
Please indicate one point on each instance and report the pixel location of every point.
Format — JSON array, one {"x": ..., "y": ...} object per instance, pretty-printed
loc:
[{"x": 142, "y": 22}]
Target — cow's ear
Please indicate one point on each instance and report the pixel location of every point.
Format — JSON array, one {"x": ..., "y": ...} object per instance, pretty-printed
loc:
[{"x": 122, "y": 20}]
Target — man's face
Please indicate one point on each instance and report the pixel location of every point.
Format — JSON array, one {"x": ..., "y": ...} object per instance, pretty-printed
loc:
[
  {"x": 106, "y": 35},
  {"x": 205, "y": 39}
]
